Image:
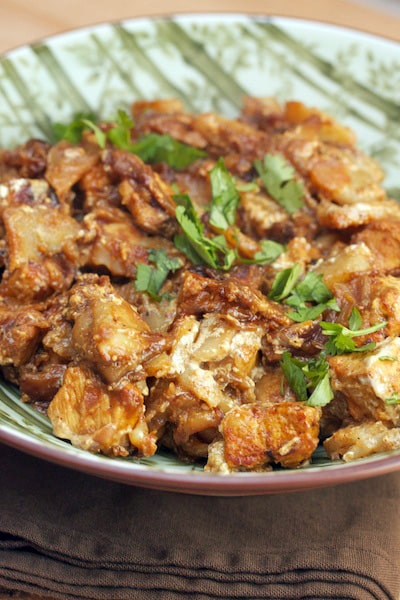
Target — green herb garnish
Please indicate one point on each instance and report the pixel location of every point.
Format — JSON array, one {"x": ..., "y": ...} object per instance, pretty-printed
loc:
[
  {"x": 154, "y": 148},
  {"x": 278, "y": 177},
  {"x": 72, "y": 132},
  {"x": 120, "y": 133},
  {"x": 269, "y": 252},
  {"x": 310, "y": 297},
  {"x": 225, "y": 197},
  {"x": 305, "y": 375},
  {"x": 341, "y": 338},
  {"x": 195, "y": 244},
  {"x": 151, "y": 279},
  {"x": 284, "y": 283},
  {"x": 151, "y": 148},
  {"x": 393, "y": 399}
]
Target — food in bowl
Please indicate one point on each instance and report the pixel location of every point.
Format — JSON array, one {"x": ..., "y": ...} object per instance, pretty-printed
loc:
[{"x": 223, "y": 288}]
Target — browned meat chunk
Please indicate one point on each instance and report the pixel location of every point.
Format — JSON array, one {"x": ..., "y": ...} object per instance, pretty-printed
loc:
[
  {"x": 369, "y": 381},
  {"x": 108, "y": 332},
  {"x": 255, "y": 435},
  {"x": 99, "y": 419},
  {"x": 361, "y": 440},
  {"x": 42, "y": 251}
]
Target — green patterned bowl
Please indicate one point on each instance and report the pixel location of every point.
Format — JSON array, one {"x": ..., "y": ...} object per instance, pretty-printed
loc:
[{"x": 210, "y": 62}]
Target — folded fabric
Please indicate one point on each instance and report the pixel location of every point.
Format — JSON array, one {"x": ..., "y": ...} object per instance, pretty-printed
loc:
[{"x": 68, "y": 535}]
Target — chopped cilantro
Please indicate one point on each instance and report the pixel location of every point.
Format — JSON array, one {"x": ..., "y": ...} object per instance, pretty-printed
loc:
[
  {"x": 311, "y": 289},
  {"x": 120, "y": 133},
  {"x": 278, "y": 177},
  {"x": 225, "y": 197},
  {"x": 294, "y": 375},
  {"x": 151, "y": 279},
  {"x": 269, "y": 252},
  {"x": 72, "y": 132},
  {"x": 341, "y": 338},
  {"x": 195, "y": 244},
  {"x": 251, "y": 186},
  {"x": 355, "y": 319},
  {"x": 305, "y": 375},
  {"x": 284, "y": 283},
  {"x": 101, "y": 136},
  {"x": 393, "y": 399},
  {"x": 298, "y": 295},
  {"x": 153, "y": 148},
  {"x": 322, "y": 393}
]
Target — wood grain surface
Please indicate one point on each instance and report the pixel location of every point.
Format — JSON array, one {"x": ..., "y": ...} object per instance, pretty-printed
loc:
[{"x": 25, "y": 21}]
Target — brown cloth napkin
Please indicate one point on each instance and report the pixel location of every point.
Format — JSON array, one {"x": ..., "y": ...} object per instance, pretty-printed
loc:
[{"x": 68, "y": 535}]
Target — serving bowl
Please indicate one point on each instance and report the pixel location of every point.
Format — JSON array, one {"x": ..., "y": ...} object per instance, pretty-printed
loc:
[{"x": 210, "y": 62}]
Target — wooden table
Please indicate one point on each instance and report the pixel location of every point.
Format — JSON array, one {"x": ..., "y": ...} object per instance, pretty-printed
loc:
[{"x": 23, "y": 21}]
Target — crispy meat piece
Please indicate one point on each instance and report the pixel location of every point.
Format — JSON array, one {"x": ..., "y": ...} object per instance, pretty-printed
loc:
[
  {"x": 199, "y": 295},
  {"x": 42, "y": 251},
  {"x": 360, "y": 213},
  {"x": 271, "y": 116},
  {"x": 166, "y": 117},
  {"x": 147, "y": 197},
  {"x": 361, "y": 440},
  {"x": 239, "y": 143},
  {"x": 368, "y": 380},
  {"x": 96, "y": 418},
  {"x": 377, "y": 298},
  {"x": 67, "y": 164},
  {"x": 255, "y": 435},
  {"x": 28, "y": 160},
  {"x": 111, "y": 240},
  {"x": 181, "y": 420},
  {"x": 271, "y": 387},
  {"x": 96, "y": 189},
  {"x": 382, "y": 237},
  {"x": 29, "y": 192},
  {"x": 21, "y": 329},
  {"x": 344, "y": 263},
  {"x": 108, "y": 333}
]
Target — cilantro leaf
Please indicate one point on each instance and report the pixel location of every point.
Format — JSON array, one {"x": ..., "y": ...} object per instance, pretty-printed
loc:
[
  {"x": 101, "y": 137},
  {"x": 313, "y": 289},
  {"x": 251, "y": 186},
  {"x": 154, "y": 148},
  {"x": 355, "y": 319},
  {"x": 278, "y": 177},
  {"x": 120, "y": 133},
  {"x": 269, "y": 252},
  {"x": 322, "y": 394},
  {"x": 150, "y": 148},
  {"x": 341, "y": 337},
  {"x": 299, "y": 295},
  {"x": 307, "y": 313},
  {"x": 72, "y": 132},
  {"x": 393, "y": 399},
  {"x": 294, "y": 375},
  {"x": 305, "y": 375},
  {"x": 194, "y": 243},
  {"x": 284, "y": 283},
  {"x": 151, "y": 279},
  {"x": 225, "y": 197}
]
